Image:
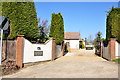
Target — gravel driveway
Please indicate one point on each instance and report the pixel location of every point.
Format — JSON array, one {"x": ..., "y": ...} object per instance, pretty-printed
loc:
[{"x": 81, "y": 64}]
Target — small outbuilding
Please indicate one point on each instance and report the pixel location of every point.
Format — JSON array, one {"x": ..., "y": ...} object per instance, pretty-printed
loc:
[{"x": 72, "y": 38}]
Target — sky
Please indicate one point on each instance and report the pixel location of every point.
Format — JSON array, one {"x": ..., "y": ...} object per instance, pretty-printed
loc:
[{"x": 85, "y": 17}]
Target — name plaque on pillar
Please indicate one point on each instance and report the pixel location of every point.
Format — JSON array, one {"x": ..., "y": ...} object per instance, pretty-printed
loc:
[{"x": 38, "y": 53}]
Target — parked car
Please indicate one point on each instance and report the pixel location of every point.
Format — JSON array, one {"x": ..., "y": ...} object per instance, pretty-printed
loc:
[{"x": 89, "y": 46}]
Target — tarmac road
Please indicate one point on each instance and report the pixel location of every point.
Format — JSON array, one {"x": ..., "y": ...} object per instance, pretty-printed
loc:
[{"x": 80, "y": 64}]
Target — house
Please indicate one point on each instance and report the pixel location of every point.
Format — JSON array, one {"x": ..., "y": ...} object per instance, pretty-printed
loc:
[{"x": 72, "y": 38}]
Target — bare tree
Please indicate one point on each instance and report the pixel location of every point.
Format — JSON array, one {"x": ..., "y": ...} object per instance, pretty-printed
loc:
[{"x": 44, "y": 31}]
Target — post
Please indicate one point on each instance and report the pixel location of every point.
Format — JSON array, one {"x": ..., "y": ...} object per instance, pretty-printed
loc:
[
  {"x": 53, "y": 49},
  {"x": 101, "y": 47},
  {"x": 112, "y": 48},
  {"x": 19, "y": 51},
  {"x": 1, "y": 47},
  {"x": 63, "y": 47}
]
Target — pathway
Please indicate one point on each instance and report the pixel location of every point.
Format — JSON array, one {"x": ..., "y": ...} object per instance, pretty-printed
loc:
[{"x": 81, "y": 64}]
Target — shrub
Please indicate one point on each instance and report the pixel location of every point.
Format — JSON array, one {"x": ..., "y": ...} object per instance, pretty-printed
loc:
[
  {"x": 23, "y": 19},
  {"x": 82, "y": 46},
  {"x": 112, "y": 24},
  {"x": 57, "y": 28}
]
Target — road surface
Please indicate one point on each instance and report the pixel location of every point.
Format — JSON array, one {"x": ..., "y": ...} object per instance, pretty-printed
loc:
[{"x": 80, "y": 64}]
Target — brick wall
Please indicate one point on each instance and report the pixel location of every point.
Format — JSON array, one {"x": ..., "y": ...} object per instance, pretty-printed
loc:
[
  {"x": 20, "y": 50},
  {"x": 25, "y": 51}
]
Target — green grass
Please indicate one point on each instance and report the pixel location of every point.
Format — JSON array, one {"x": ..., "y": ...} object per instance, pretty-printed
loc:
[
  {"x": 116, "y": 60},
  {"x": 1, "y": 68}
]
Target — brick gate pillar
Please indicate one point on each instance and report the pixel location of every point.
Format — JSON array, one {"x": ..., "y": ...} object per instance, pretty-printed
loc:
[
  {"x": 112, "y": 48},
  {"x": 53, "y": 49},
  {"x": 19, "y": 50}
]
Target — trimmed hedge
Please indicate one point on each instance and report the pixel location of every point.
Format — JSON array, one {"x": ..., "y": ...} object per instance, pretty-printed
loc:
[
  {"x": 57, "y": 28},
  {"x": 23, "y": 19},
  {"x": 113, "y": 24}
]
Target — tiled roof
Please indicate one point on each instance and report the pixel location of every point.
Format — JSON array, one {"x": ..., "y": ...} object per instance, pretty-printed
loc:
[{"x": 72, "y": 35}]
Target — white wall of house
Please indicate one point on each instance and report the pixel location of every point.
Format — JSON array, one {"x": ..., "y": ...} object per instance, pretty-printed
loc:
[
  {"x": 74, "y": 44},
  {"x": 117, "y": 50},
  {"x": 29, "y": 49}
]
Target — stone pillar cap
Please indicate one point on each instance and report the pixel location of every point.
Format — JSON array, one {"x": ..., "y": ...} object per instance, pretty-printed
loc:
[
  {"x": 112, "y": 38},
  {"x": 20, "y": 36}
]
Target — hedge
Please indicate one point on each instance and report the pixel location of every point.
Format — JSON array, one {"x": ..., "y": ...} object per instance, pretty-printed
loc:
[
  {"x": 23, "y": 19},
  {"x": 57, "y": 28},
  {"x": 113, "y": 24}
]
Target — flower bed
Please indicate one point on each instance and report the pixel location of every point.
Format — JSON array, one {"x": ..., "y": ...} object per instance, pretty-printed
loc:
[{"x": 9, "y": 67}]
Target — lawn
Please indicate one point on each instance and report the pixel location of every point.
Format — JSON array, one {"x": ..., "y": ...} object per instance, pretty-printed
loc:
[{"x": 117, "y": 60}]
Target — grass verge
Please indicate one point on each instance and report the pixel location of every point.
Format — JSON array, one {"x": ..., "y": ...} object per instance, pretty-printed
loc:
[{"x": 116, "y": 60}]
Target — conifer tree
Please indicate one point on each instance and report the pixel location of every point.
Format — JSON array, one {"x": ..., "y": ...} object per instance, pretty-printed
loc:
[
  {"x": 113, "y": 24},
  {"x": 23, "y": 19},
  {"x": 57, "y": 28}
]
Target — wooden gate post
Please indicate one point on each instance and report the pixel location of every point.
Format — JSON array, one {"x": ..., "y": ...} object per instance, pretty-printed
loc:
[
  {"x": 63, "y": 48},
  {"x": 19, "y": 50}
]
